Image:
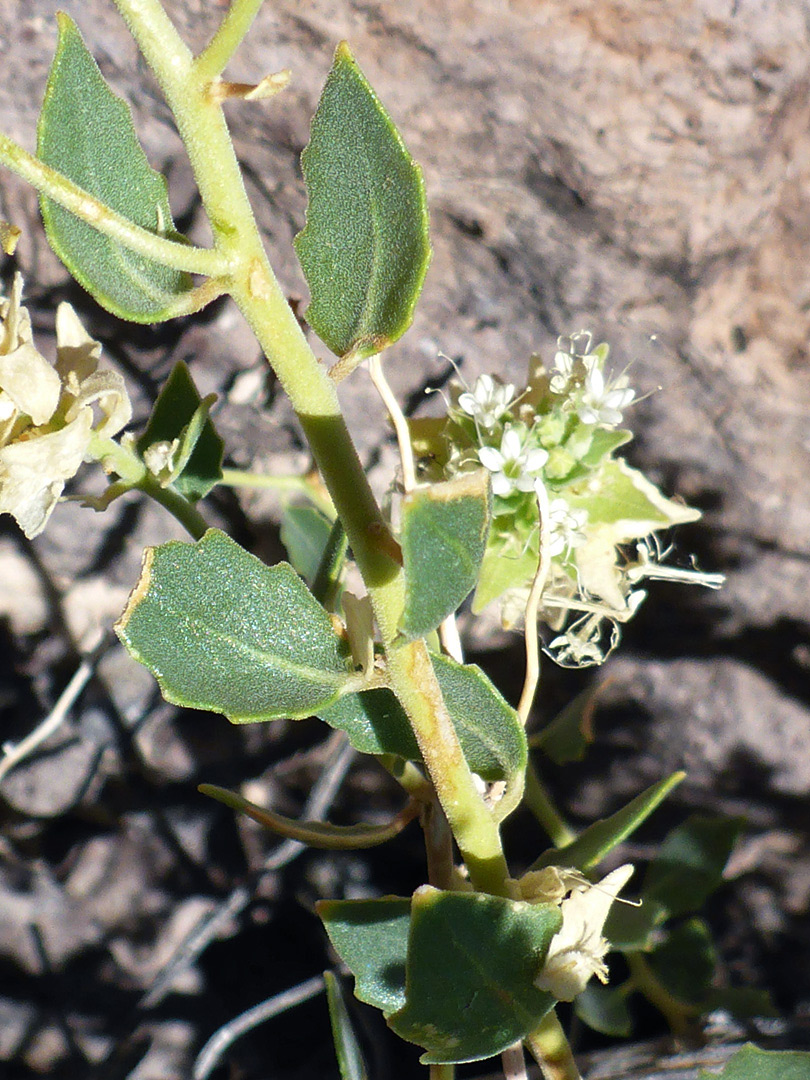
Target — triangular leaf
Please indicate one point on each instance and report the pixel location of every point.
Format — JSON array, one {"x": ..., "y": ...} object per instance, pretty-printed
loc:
[
  {"x": 222, "y": 631},
  {"x": 365, "y": 249},
  {"x": 443, "y": 533},
  {"x": 689, "y": 864},
  {"x": 199, "y": 451},
  {"x": 604, "y": 1008},
  {"x": 86, "y": 132}
]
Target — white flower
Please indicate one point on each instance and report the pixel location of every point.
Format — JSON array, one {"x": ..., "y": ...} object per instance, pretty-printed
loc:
[
  {"x": 47, "y": 417},
  {"x": 566, "y": 527},
  {"x": 513, "y": 466},
  {"x": 573, "y": 357},
  {"x": 578, "y": 949},
  {"x": 487, "y": 402},
  {"x": 603, "y": 400}
]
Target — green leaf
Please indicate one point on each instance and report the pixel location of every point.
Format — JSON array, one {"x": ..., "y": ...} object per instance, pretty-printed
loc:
[
  {"x": 472, "y": 961},
  {"x": 177, "y": 415},
  {"x": 371, "y": 938},
  {"x": 305, "y": 534},
  {"x": 689, "y": 865},
  {"x": 86, "y": 132},
  {"x": 685, "y": 960},
  {"x": 603, "y": 443},
  {"x": 347, "y": 1048},
  {"x": 491, "y": 735},
  {"x": 222, "y": 631},
  {"x": 591, "y": 846},
  {"x": 751, "y": 1063},
  {"x": 570, "y": 733},
  {"x": 625, "y": 500},
  {"x": 443, "y": 533},
  {"x": 743, "y": 1002},
  {"x": 507, "y": 564},
  {"x": 604, "y": 1008},
  {"x": 364, "y": 249},
  {"x": 630, "y": 929}
]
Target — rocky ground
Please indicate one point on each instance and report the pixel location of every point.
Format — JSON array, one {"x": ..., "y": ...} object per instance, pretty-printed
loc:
[{"x": 639, "y": 170}]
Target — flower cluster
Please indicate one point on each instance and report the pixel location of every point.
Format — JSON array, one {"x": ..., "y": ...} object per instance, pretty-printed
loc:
[
  {"x": 49, "y": 415},
  {"x": 550, "y": 452}
]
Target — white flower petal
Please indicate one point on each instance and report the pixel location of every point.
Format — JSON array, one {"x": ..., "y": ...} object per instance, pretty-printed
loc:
[
  {"x": 33, "y": 472},
  {"x": 491, "y": 458},
  {"x": 31, "y": 382},
  {"x": 77, "y": 352}
]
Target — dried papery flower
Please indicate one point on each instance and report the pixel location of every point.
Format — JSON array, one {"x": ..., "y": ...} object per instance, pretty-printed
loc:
[
  {"x": 578, "y": 949},
  {"x": 48, "y": 413}
]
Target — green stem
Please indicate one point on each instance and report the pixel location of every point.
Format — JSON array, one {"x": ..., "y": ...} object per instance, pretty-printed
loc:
[
  {"x": 541, "y": 805},
  {"x": 550, "y": 1049},
  {"x": 312, "y": 393},
  {"x": 48, "y": 181},
  {"x": 677, "y": 1013},
  {"x": 179, "y": 507},
  {"x": 213, "y": 60}
]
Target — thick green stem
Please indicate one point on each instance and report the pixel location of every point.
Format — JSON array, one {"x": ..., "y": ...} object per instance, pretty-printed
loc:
[
  {"x": 314, "y": 398},
  {"x": 49, "y": 182},
  {"x": 179, "y": 507},
  {"x": 233, "y": 28}
]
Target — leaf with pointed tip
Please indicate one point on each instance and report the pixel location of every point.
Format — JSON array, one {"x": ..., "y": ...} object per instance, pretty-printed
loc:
[
  {"x": 443, "y": 533},
  {"x": 365, "y": 249},
  {"x": 347, "y": 1048},
  {"x": 86, "y": 133},
  {"x": 472, "y": 961},
  {"x": 222, "y": 631},
  {"x": 591, "y": 846},
  {"x": 689, "y": 864},
  {"x": 177, "y": 415}
]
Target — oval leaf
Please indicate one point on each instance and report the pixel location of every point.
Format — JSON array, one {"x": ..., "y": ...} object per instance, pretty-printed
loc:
[
  {"x": 472, "y": 962},
  {"x": 443, "y": 533},
  {"x": 222, "y": 631},
  {"x": 86, "y": 132},
  {"x": 364, "y": 249}
]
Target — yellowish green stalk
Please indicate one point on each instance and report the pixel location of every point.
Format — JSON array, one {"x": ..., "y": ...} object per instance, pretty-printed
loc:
[
  {"x": 254, "y": 288},
  {"x": 213, "y": 60},
  {"x": 193, "y": 260},
  {"x": 550, "y": 1049}
]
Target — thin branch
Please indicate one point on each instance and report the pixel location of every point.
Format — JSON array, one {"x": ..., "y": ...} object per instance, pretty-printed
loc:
[
  {"x": 375, "y": 370},
  {"x": 221, "y": 1040},
  {"x": 13, "y": 753},
  {"x": 209, "y": 927},
  {"x": 232, "y": 31},
  {"x": 532, "y": 677}
]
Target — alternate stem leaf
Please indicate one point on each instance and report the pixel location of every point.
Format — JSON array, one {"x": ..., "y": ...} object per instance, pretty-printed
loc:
[
  {"x": 365, "y": 249},
  {"x": 86, "y": 132}
]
